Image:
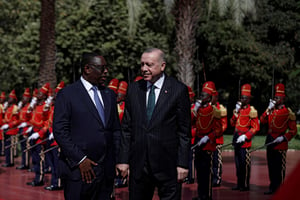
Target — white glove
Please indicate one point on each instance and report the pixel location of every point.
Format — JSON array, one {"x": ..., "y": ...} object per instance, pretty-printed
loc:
[
  {"x": 5, "y": 126},
  {"x": 279, "y": 139},
  {"x": 34, "y": 136},
  {"x": 33, "y": 102},
  {"x": 29, "y": 129},
  {"x": 5, "y": 104},
  {"x": 22, "y": 125},
  {"x": 51, "y": 136},
  {"x": 271, "y": 104},
  {"x": 197, "y": 105},
  {"x": 203, "y": 140},
  {"x": 241, "y": 138},
  {"x": 49, "y": 100},
  {"x": 238, "y": 106},
  {"x": 20, "y": 104}
]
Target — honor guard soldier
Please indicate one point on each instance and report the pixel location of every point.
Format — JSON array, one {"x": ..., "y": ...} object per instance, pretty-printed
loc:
[
  {"x": 245, "y": 121},
  {"x": 38, "y": 133},
  {"x": 113, "y": 85},
  {"x": 121, "y": 182},
  {"x": 281, "y": 129},
  {"x": 23, "y": 126},
  {"x": 2, "y": 111},
  {"x": 53, "y": 149},
  {"x": 10, "y": 122},
  {"x": 217, "y": 156},
  {"x": 209, "y": 127},
  {"x": 120, "y": 98}
]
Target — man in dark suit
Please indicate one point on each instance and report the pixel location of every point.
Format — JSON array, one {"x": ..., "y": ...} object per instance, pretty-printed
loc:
[
  {"x": 87, "y": 128},
  {"x": 156, "y": 126}
]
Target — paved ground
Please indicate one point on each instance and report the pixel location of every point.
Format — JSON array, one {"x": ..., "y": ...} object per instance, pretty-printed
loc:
[{"x": 13, "y": 182}]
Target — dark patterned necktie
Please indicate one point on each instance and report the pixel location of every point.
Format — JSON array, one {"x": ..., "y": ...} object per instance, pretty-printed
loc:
[
  {"x": 99, "y": 105},
  {"x": 151, "y": 103}
]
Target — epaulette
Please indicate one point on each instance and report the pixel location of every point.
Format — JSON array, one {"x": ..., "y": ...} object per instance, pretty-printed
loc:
[
  {"x": 15, "y": 109},
  {"x": 253, "y": 112},
  {"x": 217, "y": 112},
  {"x": 292, "y": 115},
  {"x": 223, "y": 111}
]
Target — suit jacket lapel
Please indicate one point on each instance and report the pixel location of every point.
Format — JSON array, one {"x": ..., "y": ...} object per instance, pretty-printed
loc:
[
  {"x": 162, "y": 98},
  {"x": 142, "y": 97},
  {"x": 87, "y": 101}
]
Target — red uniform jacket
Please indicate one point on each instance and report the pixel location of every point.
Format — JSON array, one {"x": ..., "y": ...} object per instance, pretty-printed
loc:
[
  {"x": 23, "y": 117},
  {"x": 11, "y": 118},
  {"x": 246, "y": 123},
  {"x": 38, "y": 118},
  {"x": 282, "y": 122},
  {"x": 208, "y": 123}
]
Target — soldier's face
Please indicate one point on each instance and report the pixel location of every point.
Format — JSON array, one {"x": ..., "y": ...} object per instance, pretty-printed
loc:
[
  {"x": 279, "y": 100},
  {"x": 245, "y": 100},
  {"x": 205, "y": 97}
]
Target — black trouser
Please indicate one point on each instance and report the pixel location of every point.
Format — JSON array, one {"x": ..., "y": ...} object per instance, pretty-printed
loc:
[
  {"x": 143, "y": 188},
  {"x": 99, "y": 189},
  {"x": 9, "y": 154},
  {"x": 38, "y": 162},
  {"x": 243, "y": 166},
  {"x": 24, "y": 144},
  {"x": 203, "y": 163},
  {"x": 53, "y": 161},
  {"x": 276, "y": 167},
  {"x": 217, "y": 165}
]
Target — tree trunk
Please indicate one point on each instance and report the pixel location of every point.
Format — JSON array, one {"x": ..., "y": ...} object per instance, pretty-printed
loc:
[
  {"x": 187, "y": 13},
  {"x": 47, "y": 44}
]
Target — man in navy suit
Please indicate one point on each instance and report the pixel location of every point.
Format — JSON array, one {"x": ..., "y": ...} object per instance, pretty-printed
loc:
[
  {"x": 155, "y": 143},
  {"x": 86, "y": 126}
]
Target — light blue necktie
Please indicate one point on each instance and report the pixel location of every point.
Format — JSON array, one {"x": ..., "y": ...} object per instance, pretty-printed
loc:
[
  {"x": 99, "y": 105},
  {"x": 151, "y": 103}
]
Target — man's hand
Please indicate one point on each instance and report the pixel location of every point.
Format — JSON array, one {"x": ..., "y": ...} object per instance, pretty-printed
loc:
[
  {"x": 279, "y": 139},
  {"x": 204, "y": 140},
  {"x": 34, "y": 136},
  {"x": 241, "y": 138},
  {"x": 271, "y": 104},
  {"x": 22, "y": 125},
  {"x": 51, "y": 136},
  {"x": 238, "y": 106},
  {"x": 4, "y": 127},
  {"x": 181, "y": 174},
  {"x": 86, "y": 170},
  {"x": 29, "y": 129},
  {"x": 122, "y": 170}
]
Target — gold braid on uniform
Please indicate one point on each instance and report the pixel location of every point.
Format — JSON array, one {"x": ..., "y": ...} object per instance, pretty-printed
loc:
[
  {"x": 283, "y": 167},
  {"x": 283, "y": 124},
  {"x": 248, "y": 165},
  {"x": 210, "y": 121}
]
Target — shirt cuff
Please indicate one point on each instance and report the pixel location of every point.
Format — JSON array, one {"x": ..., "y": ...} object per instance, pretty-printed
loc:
[{"x": 82, "y": 160}]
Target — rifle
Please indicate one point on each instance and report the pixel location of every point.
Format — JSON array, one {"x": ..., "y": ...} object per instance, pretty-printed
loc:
[
  {"x": 47, "y": 150},
  {"x": 8, "y": 146},
  {"x": 225, "y": 145},
  {"x": 36, "y": 145},
  {"x": 261, "y": 147}
]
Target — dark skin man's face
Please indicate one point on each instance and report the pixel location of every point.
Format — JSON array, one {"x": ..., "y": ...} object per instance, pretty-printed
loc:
[
  {"x": 96, "y": 71},
  {"x": 245, "y": 100},
  {"x": 205, "y": 97},
  {"x": 279, "y": 100}
]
